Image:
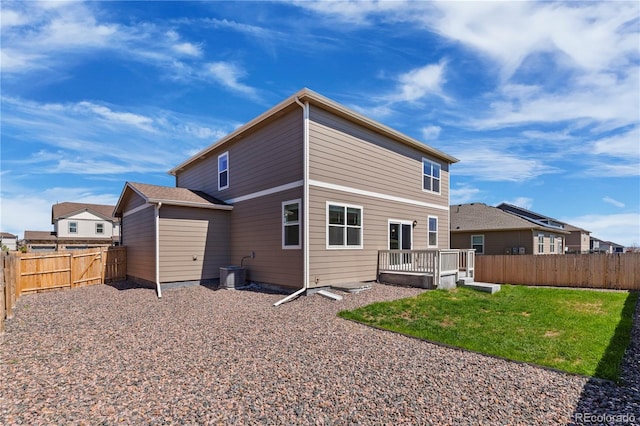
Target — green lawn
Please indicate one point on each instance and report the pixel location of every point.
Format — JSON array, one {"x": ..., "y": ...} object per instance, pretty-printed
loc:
[{"x": 578, "y": 331}]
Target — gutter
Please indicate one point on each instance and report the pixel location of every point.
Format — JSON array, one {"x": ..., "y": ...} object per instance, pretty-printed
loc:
[
  {"x": 157, "y": 220},
  {"x": 305, "y": 206}
]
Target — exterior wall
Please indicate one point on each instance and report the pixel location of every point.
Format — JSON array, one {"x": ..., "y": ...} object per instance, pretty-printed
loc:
[
  {"x": 86, "y": 227},
  {"x": 194, "y": 243},
  {"x": 578, "y": 241},
  {"x": 269, "y": 157},
  {"x": 335, "y": 266},
  {"x": 350, "y": 164},
  {"x": 497, "y": 242},
  {"x": 140, "y": 238},
  {"x": 547, "y": 242},
  {"x": 346, "y": 154},
  {"x": 9, "y": 242},
  {"x": 256, "y": 226}
]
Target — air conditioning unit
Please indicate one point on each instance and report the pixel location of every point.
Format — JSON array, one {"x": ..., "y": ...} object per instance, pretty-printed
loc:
[
  {"x": 520, "y": 250},
  {"x": 514, "y": 250},
  {"x": 507, "y": 251}
]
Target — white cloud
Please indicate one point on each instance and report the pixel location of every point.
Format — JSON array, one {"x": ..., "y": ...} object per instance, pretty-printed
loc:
[
  {"x": 228, "y": 75},
  {"x": 128, "y": 118},
  {"x": 613, "y": 202},
  {"x": 418, "y": 83},
  {"x": 489, "y": 164},
  {"x": 431, "y": 132},
  {"x": 524, "y": 202},
  {"x": 624, "y": 145},
  {"x": 463, "y": 194},
  {"x": 622, "y": 228}
]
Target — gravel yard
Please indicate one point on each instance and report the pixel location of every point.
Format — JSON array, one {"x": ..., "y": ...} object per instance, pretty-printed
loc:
[{"x": 99, "y": 355}]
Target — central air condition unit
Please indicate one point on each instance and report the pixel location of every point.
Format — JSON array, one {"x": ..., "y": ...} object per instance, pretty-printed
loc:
[
  {"x": 521, "y": 250},
  {"x": 514, "y": 250},
  {"x": 507, "y": 251},
  {"x": 232, "y": 277}
]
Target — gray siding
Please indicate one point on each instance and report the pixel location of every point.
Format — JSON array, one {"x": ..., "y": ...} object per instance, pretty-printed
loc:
[
  {"x": 140, "y": 239},
  {"x": 347, "y": 154},
  {"x": 269, "y": 157},
  {"x": 496, "y": 242},
  {"x": 256, "y": 225},
  {"x": 190, "y": 233},
  {"x": 334, "y": 266}
]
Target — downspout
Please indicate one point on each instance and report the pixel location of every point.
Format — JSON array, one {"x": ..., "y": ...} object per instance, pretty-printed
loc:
[
  {"x": 157, "y": 219},
  {"x": 305, "y": 206}
]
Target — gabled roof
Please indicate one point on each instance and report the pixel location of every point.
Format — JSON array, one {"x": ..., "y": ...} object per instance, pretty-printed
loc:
[
  {"x": 307, "y": 95},
  {"x": 539, "y": 218},
  {"x": 155, "y": 194},
  {"x": 67, "y": 209},
  {"x": 481, "y": 217},
  {"x": 7, "y": 235}
]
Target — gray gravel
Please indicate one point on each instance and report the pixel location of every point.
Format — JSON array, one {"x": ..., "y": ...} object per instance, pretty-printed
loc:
[{"x": 99, "y": 355}]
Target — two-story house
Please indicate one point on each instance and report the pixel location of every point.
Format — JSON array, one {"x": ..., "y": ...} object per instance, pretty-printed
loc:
[
  {"x": 76, "y": 226},
  {"x": 304, "y": 195},
  {"x": 8, "y": 241}
]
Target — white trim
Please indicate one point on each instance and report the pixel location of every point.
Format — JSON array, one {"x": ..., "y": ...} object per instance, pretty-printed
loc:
[
  {"x": 430, "y": 191},
  {"x": 478, "y": 235},
  {"x": 344, "y": 246},
  {"x": 297, "y": 201},
  {"x": 265, "y": 192},
  {"x": 157, "y": 223},
  {"x": 190, "y": 204},
  {"x": 136, "y": 210},
  {"x": 399, "y": 222},
  {"x": 365, "y": 193},
  {"x": 429, "y": 230},
  {"x": 224, "y": 154}
]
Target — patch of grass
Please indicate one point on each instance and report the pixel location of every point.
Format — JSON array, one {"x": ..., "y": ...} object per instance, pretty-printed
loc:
[{"x": 578, "y": 331}]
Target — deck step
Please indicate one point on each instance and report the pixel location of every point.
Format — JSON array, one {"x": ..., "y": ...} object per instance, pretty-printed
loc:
[{"x": 486, "y": 287}]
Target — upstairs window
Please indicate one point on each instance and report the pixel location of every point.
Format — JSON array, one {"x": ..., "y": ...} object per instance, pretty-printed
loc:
[
  {"x": 430, "y": 176},
  {"x": 433, "y": 232},
  {"x": 477, "y": 243},
  {"x": 73, "y": 227},
  {"x": 223, "y": 171},
  {"x": 291, "y": 224},
  {"x": 99, "y": 228},
  {"x": 344, "y": 226}
]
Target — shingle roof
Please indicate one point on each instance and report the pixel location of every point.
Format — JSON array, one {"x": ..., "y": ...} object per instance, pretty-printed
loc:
[
  {"x": 40, "y": 235},
  {"x": 481, "y": 217},
  {"x": 521, "y": 211},
  {"x": 7, "y": 235},
  {"x": 173, "y": 196},
  {"x": 65, "y": 209}
]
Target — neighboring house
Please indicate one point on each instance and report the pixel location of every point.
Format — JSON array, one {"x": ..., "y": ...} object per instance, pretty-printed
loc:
[
  {"x": 576, "y": 242},
  {"x": 303, "y": 195},
  {"x": 77, "y": 226},
  {"x": 490, "y": 230},
  {"x": 600, "y": 246},
  {"x": 9, "y": 241}
]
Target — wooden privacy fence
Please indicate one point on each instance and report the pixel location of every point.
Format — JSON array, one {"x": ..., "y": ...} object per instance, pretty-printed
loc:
[
  {"x": 607, "y": 271},
  {"x": 33, "y": 272}
]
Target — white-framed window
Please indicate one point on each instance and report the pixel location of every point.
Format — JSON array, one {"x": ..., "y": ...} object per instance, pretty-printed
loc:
[
  {"x": 73, "y": 227},
  {"x": 430, "y": 176},
  {"x": 99, "y": 228},
  {"x": 552, "y": 244},
  {"x": 344, "y": 226},
  {"x": 432, "y": 237},
  {"x": 223, "y": 171},
  {"x": 477, "y": 243},
  {"x": 291, "y": 224},
  {"x": 560, "y": 247},
  {"x": 540, "y": 243}
]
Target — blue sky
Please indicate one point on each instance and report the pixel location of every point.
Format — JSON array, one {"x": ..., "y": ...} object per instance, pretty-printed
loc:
[{"x": 539, "y": 101}]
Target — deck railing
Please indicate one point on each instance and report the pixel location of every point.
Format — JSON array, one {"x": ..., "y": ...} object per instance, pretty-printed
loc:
[{"x": 435, "y": 263}]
